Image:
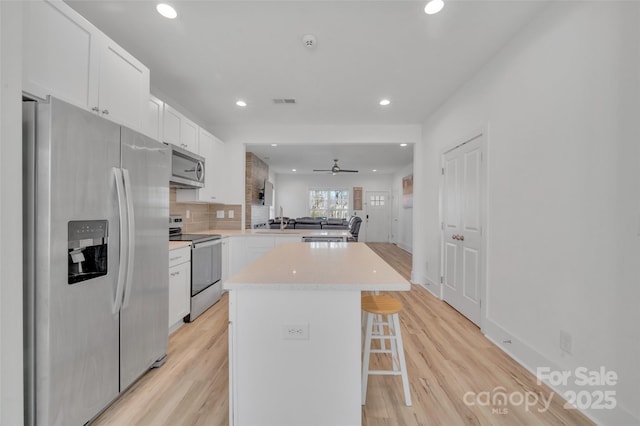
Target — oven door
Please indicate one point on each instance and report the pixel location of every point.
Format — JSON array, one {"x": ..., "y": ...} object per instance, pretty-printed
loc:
[{"x": 206, "y": 265}]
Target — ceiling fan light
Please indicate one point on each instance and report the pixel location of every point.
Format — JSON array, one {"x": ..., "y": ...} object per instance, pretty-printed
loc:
[
  {"x": 433, "y": 7},
  {"x": 166, "y": 10}
]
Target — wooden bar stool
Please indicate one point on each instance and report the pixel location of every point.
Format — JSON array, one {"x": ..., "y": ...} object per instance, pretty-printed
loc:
[{"x": 377, "y": 308}]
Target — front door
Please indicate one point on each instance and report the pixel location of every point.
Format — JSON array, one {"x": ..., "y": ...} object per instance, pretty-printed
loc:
[
  {"x": 463, "y": 259},
  {"x": 377, "y": 216}
]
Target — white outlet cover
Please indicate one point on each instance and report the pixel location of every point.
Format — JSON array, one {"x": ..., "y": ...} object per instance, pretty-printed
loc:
[
  {"x": 220, "y": 214},
  {"x": 231, "y": 214},
  {"x": 295, "y": 331}
]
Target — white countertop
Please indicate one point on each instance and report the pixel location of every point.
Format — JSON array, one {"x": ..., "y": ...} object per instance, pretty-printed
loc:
[
  {"x": 319, "y": 266},
  {"x": 276, "y": 232}
]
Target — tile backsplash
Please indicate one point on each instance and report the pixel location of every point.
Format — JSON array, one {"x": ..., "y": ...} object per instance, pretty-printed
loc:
[{"x": 204, "y": 216}]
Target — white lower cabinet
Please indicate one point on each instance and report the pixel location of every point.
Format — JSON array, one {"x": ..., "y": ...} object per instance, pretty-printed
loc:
[{"x": 179, "y": 286}]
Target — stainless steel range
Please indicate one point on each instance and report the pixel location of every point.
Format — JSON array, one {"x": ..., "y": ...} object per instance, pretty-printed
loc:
[{"x": 206, "y": 267}]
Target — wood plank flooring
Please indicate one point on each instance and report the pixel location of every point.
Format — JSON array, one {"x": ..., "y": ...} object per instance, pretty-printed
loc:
[{"x": 447, "y": 357}]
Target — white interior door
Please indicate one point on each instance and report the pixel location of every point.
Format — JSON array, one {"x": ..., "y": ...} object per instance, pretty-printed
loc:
[
  {"x": 463, "y": 259},
  {"x": 377, "y": 216}
]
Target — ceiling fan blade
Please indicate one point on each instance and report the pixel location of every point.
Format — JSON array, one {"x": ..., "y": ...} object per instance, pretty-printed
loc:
[
  {"x": 316, "y": 170},
  {"x": 348, "y": 171}
]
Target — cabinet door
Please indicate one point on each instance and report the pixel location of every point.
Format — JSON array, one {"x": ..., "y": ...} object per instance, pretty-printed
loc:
[
  {"x": 153, "y": 121},
  {"x": 59, "y": 55},
  {"x": 215, "y": 170},
  {"x": 179, "y": 292},
  {"x": 124, "y": 86},
  {"x": 171, "y": 120},
  {"x": 209, "y": 149},
  {"x": 189, "y": 135}
]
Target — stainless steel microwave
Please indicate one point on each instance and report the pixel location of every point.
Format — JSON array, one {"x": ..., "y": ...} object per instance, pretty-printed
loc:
[{"x": 187, "y": 169}]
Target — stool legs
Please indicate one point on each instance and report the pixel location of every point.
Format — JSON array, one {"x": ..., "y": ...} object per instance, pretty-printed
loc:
[
  {"x": 403, "y": 363},
  {"x": 367, "y": 355},
  {"x": 396, "y": 350}
]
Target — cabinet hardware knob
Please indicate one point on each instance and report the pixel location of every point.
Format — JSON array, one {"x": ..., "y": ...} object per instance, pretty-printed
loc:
[
  {"x": 105, "y": 111},
  {"x": 95, "y": 109}
]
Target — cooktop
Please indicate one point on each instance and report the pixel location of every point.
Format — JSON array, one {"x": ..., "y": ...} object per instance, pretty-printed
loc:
[{"x": 196, "y": 238}]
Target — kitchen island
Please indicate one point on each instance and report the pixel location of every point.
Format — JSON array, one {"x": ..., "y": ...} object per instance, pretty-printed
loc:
[{"x": 294, "y": 333}]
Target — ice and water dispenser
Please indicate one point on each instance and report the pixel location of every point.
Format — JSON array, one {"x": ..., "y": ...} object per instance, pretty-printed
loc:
[{"x": 87, "y": 250}]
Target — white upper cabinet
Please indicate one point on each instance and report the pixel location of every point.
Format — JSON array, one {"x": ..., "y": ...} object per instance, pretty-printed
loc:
[
  {"x": 67, "y": 57},
  {"x": 171, "y": 125},
  {"x": 155, "y": 109},
  {"x": 189, "y": 135},
  {"x": 179, "y": 130},
  {"x": 212, "y": 149},
  {"x": 124, "y": 86}
]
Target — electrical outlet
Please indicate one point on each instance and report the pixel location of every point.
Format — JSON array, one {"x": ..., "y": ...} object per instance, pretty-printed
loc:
[
  {"x": 219, "y": 214},
  {"x": 565, "y": 342},
  {"x": 295, "y": 331},
  {"x": 230, "y": 213},
  {"x": 188, "y": 214}
]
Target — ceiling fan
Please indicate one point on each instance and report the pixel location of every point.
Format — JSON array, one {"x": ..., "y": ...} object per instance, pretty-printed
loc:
[{"x": 336, "y": 169}]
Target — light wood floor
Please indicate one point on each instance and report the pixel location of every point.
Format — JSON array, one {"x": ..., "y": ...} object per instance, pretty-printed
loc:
[{"x": 447, "y": 357}]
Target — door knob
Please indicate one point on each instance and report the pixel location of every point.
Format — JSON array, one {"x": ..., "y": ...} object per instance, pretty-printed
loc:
[{"x": 461, "y": 237}]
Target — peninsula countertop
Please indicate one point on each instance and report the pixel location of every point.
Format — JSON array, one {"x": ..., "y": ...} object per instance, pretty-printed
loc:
[
  {"x": 319, "y": 266},
  {"x": 277, "y": 232}
]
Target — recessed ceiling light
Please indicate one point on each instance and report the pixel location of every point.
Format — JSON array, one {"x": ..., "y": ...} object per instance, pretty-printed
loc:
[
  {"x": 293, "y": 170},
  {"x": 433, "y": 7},
  {"x": 274, "y": 144},
  {"x": 403, "y": 144},
  {"x": 166, "y": 11},
  {"x": 384, "y": 102},
  {"x": 241, "y": 103},
  {"x": 374, "y": 170}
]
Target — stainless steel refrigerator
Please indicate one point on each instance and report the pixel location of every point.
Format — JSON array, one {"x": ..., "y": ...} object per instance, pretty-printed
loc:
[{"x": 96, "y": 260}]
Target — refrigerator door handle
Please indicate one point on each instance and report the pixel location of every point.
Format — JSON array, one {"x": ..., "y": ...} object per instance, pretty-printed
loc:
[
  {"x": 124, "y": 240},
  {"x": 131, "y": 229}
]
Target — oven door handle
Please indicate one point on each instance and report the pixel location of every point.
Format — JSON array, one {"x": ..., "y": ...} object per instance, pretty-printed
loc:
[{"x": 204, "y": 244}]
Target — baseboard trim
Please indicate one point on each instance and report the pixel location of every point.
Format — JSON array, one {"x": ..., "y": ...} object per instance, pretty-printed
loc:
[
  {"x": 405, "y": 247},
  {"x": 529, "y": 358}
]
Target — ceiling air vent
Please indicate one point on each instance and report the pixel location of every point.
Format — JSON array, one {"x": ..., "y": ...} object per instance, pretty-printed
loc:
[{"x": 284, "y": 101}]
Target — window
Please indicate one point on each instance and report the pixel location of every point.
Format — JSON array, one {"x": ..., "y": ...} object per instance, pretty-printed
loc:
[
  {"x": 377, "y": 200},
  {"x": 330, "y": 203}
]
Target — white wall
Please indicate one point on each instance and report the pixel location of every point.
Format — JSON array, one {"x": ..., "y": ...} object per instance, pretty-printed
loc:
[
  {"x": 236, "y": 137},
  {"x": 402, "y": 217},
  {"x": 292, "y": 191},
  {"x": 11, "y": 382},
  {"x": 561, "y": 103}
]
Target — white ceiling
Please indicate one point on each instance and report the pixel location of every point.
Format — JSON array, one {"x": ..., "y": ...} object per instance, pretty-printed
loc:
[
  {"x": 217, "y": 51},
  {"x": 384, "y": 158}
]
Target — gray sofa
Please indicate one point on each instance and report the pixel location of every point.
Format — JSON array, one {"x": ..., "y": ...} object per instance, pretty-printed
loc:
[{"x": 309, "y": 223}]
